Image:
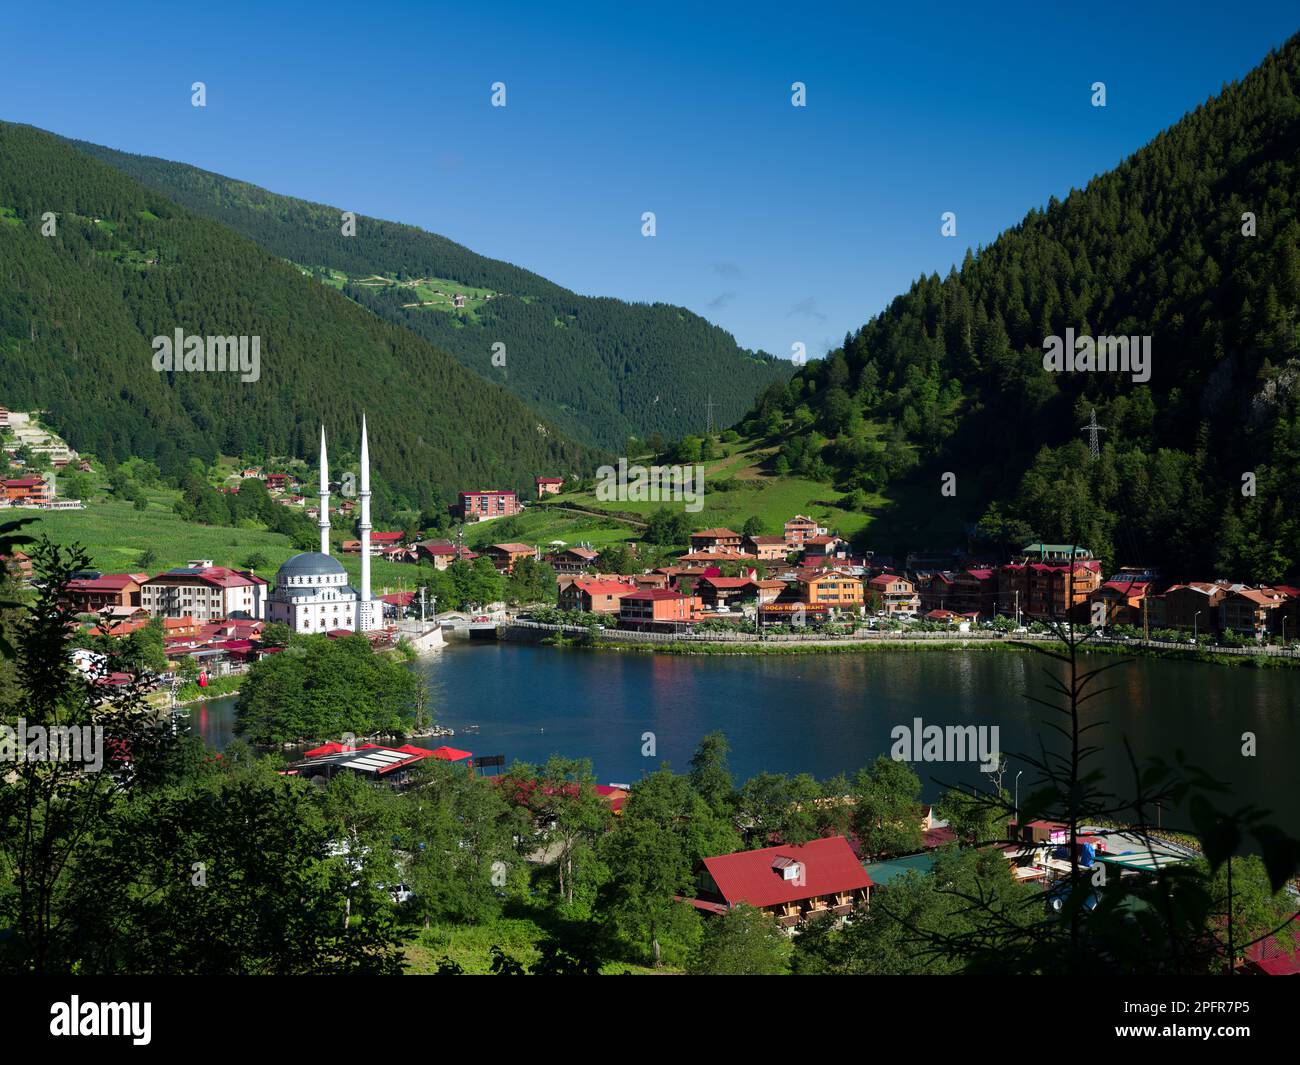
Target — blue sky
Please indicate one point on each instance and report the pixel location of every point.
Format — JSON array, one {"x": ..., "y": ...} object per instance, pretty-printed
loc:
[{"x": 781, "y": 224}]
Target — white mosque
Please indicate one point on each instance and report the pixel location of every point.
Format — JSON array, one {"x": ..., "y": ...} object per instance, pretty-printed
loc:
[{"x": 311, "y": 591}]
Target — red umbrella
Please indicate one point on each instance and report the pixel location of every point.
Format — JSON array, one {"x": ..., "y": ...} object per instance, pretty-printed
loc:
[{"x": 450, "y": 754}]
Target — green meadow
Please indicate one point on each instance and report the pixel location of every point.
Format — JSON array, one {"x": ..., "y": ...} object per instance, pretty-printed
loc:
[
  {"x": 116, "y": 536},
  {"x": 736, "y": 488}
]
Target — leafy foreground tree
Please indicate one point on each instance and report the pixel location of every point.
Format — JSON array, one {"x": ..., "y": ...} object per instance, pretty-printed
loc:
[
  {"x": 457, "y": 838},
  {"x": 561, "y": 798},
  {"x": 320, "y": 688},
  {"x": 165, "y": 859},
  {"x": 53, "y": 807},
  {"x": 233, "y": 870},
  {"x": 742, "y": 942},
  {"x": 666, "y": 828}
]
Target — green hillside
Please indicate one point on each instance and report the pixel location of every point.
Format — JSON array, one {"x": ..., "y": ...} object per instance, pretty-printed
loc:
[
  {"x": 79, "y": 311},
  {"x": 950, "y": 377},
  {"x": 600, "y": 369},
  {"x": 738, "y": 485}
]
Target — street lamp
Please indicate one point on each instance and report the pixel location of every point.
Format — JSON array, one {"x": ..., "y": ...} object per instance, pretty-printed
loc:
[
  {"x": 1195, "y": 618},
  {"x": 1018, "y": 776}
]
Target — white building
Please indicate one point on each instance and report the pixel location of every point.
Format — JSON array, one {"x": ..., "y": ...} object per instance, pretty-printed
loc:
[
  {"x": 311, "y": 592},
  {"x": 204, "y": 592}
]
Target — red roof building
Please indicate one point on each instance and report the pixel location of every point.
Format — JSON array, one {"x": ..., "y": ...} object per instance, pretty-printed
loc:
[
  {"x": 572, "y": 559},
  {"x": 721, "y": 591},
  {"x": 657, "y": 608},
  {"x": 389, "y": 764},
  {"x": 205, "y": 591},
  {"x": 89, "y": 595},
  {"x": 816, "y": 880},
  {"x": 504, "y": 556},
  {"x": 715, "y": 540},
  {"x": 594, "y": 596}
]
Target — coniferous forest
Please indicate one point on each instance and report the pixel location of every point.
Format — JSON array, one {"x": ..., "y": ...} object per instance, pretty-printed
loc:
[
  {"x": 601, "y": 369},
  {"x": 1193, "y": 241},
  {"x": 80, "y": 308}
]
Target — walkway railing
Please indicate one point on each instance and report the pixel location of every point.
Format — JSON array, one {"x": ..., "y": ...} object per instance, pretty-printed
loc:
[{"x": 885, "y": 636}]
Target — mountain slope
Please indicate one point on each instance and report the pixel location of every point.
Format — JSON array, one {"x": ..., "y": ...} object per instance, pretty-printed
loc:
[
  {"x": 79, "y": 311},
  {"x": 600, "y": 368},
  {"x": 951, "y": 378}
]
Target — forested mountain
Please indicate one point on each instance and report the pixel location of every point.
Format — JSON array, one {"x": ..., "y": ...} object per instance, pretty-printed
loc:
[
  {"x": 79, "y": 311},
  {"x": 951, "y": 378},
  {"x": 601, "y": 369}
]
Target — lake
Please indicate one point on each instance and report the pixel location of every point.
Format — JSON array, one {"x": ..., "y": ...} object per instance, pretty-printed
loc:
[{"x": 827, "y": 714}]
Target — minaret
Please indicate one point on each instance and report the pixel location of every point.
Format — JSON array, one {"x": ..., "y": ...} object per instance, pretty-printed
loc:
[
  {"x": 364, "y": 620},
  {"x": 324, "y": 520}
]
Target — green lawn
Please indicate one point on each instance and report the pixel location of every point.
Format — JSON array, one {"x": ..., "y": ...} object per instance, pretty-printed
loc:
[
  {"x": 751, "y": 492},
  {"x": 539, "y": 525},
  {"x": 117, "y": 535},
  {"x": 470, "y": 947},
  {"x": 435, "y": 293}
]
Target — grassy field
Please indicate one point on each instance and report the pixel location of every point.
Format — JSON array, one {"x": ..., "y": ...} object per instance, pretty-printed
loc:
[
  {"x": 541, "y": 525},
  {"x": 433, "y": 293},
  {"x": 117, "y": 535},
  {"x": 470, "y": 947},
  {"x": 737, "y": 488}
]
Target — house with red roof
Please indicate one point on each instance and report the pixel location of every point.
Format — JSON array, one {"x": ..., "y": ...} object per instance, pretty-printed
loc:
[
  {"x": 594, "y": 596},
  {"x": 1120, "y": 601},
  {"x": 725, "y": 591},
  {"x": 1192, "y": 606},
  {"x": 716, "y": 539},
  {"x": 818, "y": 880},
  {"x": 766, "y": 548},
  {"x": 824, "y": 546},
  {"x": 937, "y": 589},
  {"x": 21, "y": 562},
  {"x": 1048, "y": 590},
  {"x": 442, "y": 553},
  {"x": 896, "y": 595},
  {"x": 25, "y": 491},
  {"x": 1251, "y": 611},
  {"x": 94, "y": 592},
  {"x": 800, "y": 528},
  {"x": 717, "y": 558},
  {"x": 975, "y": 591},
  {"x": 657, "y": 608},
  {"x": 205, "y": 591},
  {"x": 549, "y": 486},
  {"x": 504, "y": 556},
  {"x": 379, "y": 543},
  {"x": 572, "y": 559}
]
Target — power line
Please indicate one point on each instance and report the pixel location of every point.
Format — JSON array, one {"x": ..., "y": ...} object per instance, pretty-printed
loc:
[{"x": 1092, "y": 429}]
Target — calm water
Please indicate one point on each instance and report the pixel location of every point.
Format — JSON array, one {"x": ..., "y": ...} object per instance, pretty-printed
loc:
[{"x": 825, "y": 714}]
